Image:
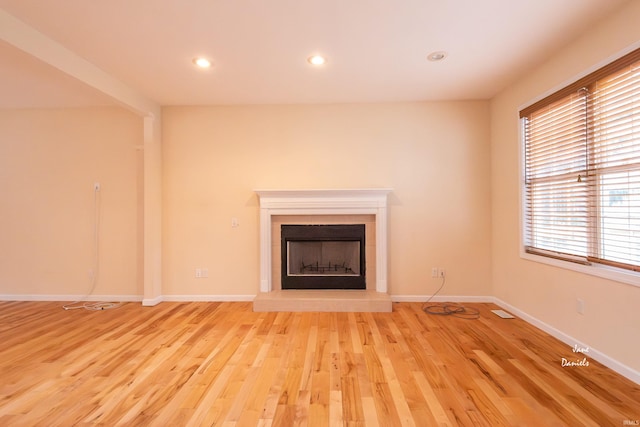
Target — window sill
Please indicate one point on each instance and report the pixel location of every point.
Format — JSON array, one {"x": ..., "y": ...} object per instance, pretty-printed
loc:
[{"x": 603, "y": 271}]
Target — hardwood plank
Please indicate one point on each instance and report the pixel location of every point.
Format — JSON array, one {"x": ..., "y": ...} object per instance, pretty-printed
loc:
[
  {"x": 223, "y": 364},
  {"x": 436, "y": 415}
]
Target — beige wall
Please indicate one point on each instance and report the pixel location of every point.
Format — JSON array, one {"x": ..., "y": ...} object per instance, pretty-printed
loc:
[
  {"x": 436, "y": 157},
  {"x": 549, "y": 293},
  {"x": 49, "y": 161}
]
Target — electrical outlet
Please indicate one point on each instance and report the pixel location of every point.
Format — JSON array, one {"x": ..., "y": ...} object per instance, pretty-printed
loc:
[
  {"x": 434, "y": 272},
  {"x": 235, "y": 223},
  {"x": 198, "y": 273},
  {"x": 205, "y": 273},
  {"x": 441, "y": 273},
  {"x": 580, "y": 306},
  {"x": 96, "y": 186}
]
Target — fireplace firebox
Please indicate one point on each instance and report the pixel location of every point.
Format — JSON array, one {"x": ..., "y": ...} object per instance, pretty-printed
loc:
[{"x": 330, "y": 256}]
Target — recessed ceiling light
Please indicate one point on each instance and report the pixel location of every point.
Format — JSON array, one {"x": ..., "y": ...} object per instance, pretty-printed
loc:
[
  {"x": 437, "y": 56},
  {"x": 202, "y": 62},
  {"x": 316, "y": 60}
]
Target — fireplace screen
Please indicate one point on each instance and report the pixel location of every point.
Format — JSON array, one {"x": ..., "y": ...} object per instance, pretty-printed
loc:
[
  {"x": 333, "y": 258},
  {"x": 323, "y": 256}
]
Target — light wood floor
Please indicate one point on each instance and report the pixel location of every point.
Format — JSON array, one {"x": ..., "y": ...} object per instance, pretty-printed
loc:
[{"x": 222, "y": 364}]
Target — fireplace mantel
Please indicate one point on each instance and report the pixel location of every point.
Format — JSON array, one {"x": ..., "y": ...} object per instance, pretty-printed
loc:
[{"x": 369, "y": 201}]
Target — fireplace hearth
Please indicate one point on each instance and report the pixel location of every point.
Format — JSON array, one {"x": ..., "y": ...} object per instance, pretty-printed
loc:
[{"x": 325, "y": 256}]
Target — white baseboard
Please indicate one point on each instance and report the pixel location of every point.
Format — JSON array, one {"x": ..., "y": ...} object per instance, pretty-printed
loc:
[
  {"x": 208, "y": 298},
  {"x": 601, "y": 357},
  {"x": 150, "y": 302},
  {"x": 441, "y": 298},
  {"x": 69, "y": 298},
  {"x": 129, "y": 298}
]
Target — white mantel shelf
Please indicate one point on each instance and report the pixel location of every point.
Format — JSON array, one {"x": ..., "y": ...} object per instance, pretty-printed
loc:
[
  {"x": 352, "y": 201},
  {"x": 327, "y": 201}
]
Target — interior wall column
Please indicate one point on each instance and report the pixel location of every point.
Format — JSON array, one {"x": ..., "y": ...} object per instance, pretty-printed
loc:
[{"x": 152, "y": 211}]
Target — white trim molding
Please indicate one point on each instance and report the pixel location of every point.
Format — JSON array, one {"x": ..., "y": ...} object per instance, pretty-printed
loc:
[
  {"x": 67, "y": 298},
  {"x": 208, "y": 298},
  {"x": 368, "y": 201},
  {"x": 443, "y": 298},
  {"x": 150, "y": 302}
]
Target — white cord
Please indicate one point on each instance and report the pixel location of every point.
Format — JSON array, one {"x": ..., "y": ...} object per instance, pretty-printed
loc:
[{"x": 94, "y": 306}]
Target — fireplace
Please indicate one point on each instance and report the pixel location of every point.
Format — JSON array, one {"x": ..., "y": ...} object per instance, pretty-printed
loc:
[
  {"x": 344, "y": 203},
  {"x": 323, "y": 256}
]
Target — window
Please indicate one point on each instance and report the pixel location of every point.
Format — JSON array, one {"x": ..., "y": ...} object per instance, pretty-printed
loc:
[{"x": 582, "y": 169}]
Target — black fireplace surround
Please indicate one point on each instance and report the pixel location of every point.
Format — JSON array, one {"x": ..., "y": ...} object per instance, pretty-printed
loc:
[{"x": 324, "y": 256}]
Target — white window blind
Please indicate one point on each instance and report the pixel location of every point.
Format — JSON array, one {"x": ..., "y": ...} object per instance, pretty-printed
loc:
[{"x": 582, "y": 169}]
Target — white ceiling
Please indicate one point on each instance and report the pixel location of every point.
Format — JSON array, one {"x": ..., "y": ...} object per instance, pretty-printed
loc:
[{"x": 376, "y": 49}]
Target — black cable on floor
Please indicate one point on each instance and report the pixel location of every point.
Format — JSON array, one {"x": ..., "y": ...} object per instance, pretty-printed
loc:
[
  {"x": 448, "y": 309},
  {"x": 452, "y": 310}
]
